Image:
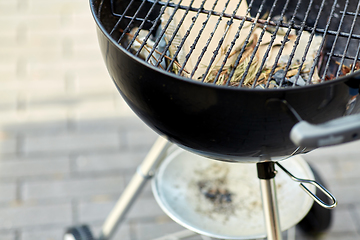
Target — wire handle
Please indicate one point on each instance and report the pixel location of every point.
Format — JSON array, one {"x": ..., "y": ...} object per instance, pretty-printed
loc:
[{"x": 311, "y": 194}]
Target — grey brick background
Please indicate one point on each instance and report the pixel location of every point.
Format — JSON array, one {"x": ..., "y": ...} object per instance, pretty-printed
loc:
[{"x": 69, "y": 144}]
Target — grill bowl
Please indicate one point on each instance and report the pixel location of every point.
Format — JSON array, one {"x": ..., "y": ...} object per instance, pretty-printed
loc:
[{"x": 232, "y": 124}]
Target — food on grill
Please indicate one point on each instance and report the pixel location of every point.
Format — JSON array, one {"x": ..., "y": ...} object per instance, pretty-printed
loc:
[
  {"x": 234, "y": 64},
  {"x": 288, "y": 72}
]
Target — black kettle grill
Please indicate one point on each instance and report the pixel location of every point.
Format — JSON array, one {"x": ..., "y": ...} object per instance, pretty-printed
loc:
[{"x": 225, "y": 121}]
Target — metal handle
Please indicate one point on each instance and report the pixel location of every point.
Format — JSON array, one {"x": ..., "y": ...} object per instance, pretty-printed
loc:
[
  {"x": 311, "y": 194},
  {"x": 341, "y": 130}
]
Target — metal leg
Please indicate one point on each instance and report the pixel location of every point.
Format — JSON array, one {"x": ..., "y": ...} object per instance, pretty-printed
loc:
[
  {"x": 291, "y": 233},
  {"x": 131, "y": 192},
  {"x": 271, "y": 214},
  {"x": 266, "y": 173}
]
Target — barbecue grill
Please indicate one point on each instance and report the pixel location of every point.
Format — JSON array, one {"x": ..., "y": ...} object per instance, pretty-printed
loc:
[
  {"x": 240, "y": 121},
  {"x": 238, "y": 81}
]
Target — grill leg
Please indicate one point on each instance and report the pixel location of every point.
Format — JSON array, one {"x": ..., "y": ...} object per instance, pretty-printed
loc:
[
  {"x": 132, "y": 190},
  {"x": 266, "y": 174}
]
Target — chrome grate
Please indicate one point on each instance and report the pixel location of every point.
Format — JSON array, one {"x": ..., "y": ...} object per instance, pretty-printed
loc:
[{"x": 256, "y": 44}]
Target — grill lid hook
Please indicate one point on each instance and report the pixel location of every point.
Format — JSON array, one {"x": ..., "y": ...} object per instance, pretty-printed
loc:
[{"x": 311, "y": 194}]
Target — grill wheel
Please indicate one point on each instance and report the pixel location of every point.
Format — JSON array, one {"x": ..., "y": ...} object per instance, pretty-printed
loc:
[{"x": 82, "y": 232}]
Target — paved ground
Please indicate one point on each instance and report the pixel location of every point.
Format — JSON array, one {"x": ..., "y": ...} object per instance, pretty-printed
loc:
[{"x": 69, "y": 144}]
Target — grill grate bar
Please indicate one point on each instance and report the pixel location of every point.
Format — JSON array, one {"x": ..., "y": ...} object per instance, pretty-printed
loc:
[
  {"x": 121, "y": 16},
  {"x": 127, "y": 29},
  {"x": 256, "y": 47},
  {"x": 187, "y": 57},
  {"x": 308, "y": 46},
  {"x": 211, "y": 12},
  {"x": 136, "y": 19},
  {"x": 272, "y": 39},
  {"x": 174, "y": 33},
  {"x": 193, "y": 20},
  {"x": 296, "y": 43},
  {"x": 150, "y": 31},
  {"x": 144, "y": 20},
  {"x": 351, "y": 13},
  {"x": 317, "y": 57},
  {"x": 245, "y": 42},
  {"x": 163, "y": 32},
  {"x": 330, "y": 32},
  {"x": 208, "y": 42},
  {"x": 337, "y": 55},
  {"x": 229, "y": 24},
  {"x": 348, "y": 40},
  {"x": 334, "y": 42},
  {"x": 286, "y": 39},
  {"x": 232, "y": 45}
]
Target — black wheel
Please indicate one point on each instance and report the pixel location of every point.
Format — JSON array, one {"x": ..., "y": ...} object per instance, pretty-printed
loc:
[
  {"x": 318, "y": 220},
  {"x": 78, "y": 233}
]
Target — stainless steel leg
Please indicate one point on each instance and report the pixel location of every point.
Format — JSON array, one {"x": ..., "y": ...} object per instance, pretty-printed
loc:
[
  {"x": 266, "y": 173},
  {"x": 271, "y": 213},
  {"x": 131, "y": 192}
]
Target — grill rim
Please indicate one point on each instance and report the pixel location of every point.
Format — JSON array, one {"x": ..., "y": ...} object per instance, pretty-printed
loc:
[{"x": 338, "y": 80}]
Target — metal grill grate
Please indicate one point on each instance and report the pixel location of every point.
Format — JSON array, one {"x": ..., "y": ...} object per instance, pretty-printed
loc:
[{"x": 253, "y": 43}]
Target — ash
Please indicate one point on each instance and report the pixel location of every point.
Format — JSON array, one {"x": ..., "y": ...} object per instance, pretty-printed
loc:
[
  {"x": 214, "y": 197},
  {"x": 216, "y": 192},
  {"x": 217, "y": 195}
]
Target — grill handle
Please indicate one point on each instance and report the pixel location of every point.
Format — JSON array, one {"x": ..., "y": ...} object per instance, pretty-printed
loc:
[
  {"x": 311, "y": 194},
  {"x": 340, "y": 130}
]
